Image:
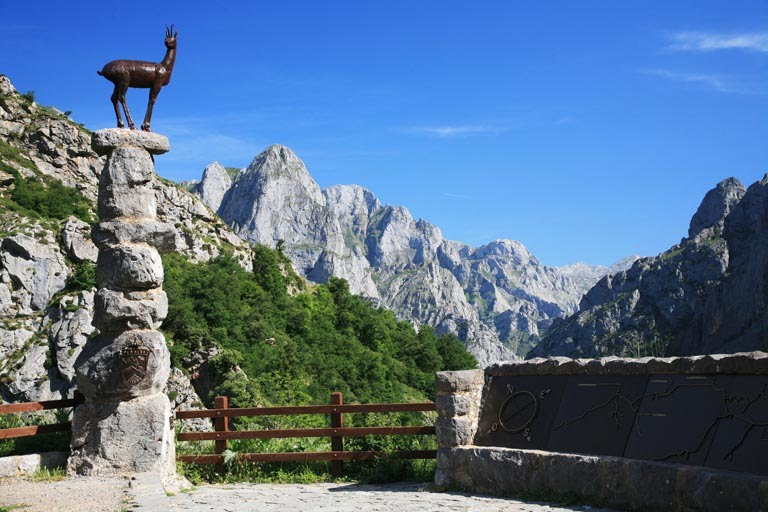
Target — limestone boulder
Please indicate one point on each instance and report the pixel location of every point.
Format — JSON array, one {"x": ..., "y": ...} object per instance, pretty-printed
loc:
[
  {"x": 76, "y": 240},
  {"x": 160, "y": 235},
  {"x": 118, "y": 310},
  {"x": 184, "y": 398},
  {"x": 70, "y": 326},
  {"x": 36, "y": 271},
  {"x": 113, "y": 139},
  {"x": 138, "y": 203},
  {"x": 130, "y": 267}
]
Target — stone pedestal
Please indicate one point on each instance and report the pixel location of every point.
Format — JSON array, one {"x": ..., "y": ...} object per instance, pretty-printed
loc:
[{"x": 124, "y": 426}]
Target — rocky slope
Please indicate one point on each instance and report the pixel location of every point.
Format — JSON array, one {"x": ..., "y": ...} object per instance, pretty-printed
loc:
[
  {"x": 708, "y": 294},
  {"x": 497, "y": 298},
  {"x": 45, "y": 310}
]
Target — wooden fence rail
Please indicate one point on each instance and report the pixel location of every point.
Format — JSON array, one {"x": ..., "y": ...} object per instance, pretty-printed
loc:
[
  {"x": 337, "y": 432},
  {"x": 10, "y": 433}
]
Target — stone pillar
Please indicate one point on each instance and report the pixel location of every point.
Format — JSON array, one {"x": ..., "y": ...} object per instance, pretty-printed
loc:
[
  {"x": 457, "y": 402},
  {"x": 124, "y": 425}
]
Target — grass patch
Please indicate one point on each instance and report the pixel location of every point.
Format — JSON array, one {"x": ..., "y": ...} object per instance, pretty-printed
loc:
[
  {"x": 233, "y": 172},
  {"x": 54, "y": 441},
  {"x": 49, "y": 475}
]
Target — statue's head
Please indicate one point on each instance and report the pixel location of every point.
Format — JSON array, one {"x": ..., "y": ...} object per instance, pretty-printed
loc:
[{"x": 170, "y": 37}]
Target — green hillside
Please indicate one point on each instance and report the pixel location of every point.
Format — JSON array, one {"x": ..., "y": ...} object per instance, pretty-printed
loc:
[{"x": 297, "y": 348}]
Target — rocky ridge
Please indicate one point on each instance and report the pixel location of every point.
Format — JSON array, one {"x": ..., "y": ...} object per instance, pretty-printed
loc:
[
  {"x": 45, "y": 314},
  {"x": 707, "y": 294},
  {"x": 497, "y": 298}
]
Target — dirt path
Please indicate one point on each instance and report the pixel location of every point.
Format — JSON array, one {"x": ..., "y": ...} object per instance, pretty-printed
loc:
[{"x": 69, "y": 495}]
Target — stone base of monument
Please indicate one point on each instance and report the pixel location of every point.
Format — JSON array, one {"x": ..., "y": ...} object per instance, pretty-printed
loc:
[{"x": 116, "y": 438}]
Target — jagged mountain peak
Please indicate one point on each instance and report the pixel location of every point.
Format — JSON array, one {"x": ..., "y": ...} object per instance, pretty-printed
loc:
[
  {"x": 275, "y": 189},
  {"x": 277, "y": 159},
  {"x": 506, "y": 248},
  {"x": 351, "y": 194},
  {"x": 352, "y": 203},
  {"x": 715, "y": 206},
  {"x": 6, "y": 87},
  {"x": 215, "y": 183}
]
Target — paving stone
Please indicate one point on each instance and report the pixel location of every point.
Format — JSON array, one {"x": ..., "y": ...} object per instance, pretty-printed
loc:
[{"x": 328, "y": 497}]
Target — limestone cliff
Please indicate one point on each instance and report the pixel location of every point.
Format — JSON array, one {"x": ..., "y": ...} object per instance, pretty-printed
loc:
[
  {"x": 497, "y": 298},
  {"x": 45, "y": 308},
  {"x": 708, "y": 294}
]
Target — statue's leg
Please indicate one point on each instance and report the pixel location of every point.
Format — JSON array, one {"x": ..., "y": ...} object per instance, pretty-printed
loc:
[
  {"x": 123, "y": 90},
  {"x": 153, "y": 92},
  {"x": 115, "y": 98}
]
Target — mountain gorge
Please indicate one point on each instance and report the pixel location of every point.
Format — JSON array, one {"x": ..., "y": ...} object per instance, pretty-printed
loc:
[
  {"x": 707, "y": 294},
  {"x": 498, "y": 298}
]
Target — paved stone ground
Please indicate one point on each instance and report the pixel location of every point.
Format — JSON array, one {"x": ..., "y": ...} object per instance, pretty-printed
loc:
[{"x": 402, "y": 497}]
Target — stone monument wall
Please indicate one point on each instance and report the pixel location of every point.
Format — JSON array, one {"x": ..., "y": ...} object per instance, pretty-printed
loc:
[
  {"x": 688, "y": 433},
  {"x": 124, "y": 425}
]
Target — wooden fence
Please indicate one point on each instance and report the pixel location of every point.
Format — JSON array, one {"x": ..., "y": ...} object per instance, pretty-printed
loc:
[
  {"x": 336, "y": 431},
  {"x": 9, "y": 433}
]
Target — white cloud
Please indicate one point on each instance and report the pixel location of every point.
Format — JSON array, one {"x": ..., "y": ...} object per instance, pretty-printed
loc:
[
  {"x": 720, "y": 83},
  {"x": 455, "y": 130},
  {"x": 708, "y": 42},
  {"x": 451, "y": 195}
]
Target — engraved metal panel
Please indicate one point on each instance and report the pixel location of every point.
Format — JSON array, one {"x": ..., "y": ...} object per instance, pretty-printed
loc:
[
  {"x": 596, "y": 414},
  {"x": 741, "y": 431},
  {"x": 675, "y": 420},
  {"x": 709, "y": 420},
  {"x": 519, "y": 411}
]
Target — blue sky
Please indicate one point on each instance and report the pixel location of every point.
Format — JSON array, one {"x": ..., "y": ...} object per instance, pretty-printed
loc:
[{"x": 586, "y": 130}]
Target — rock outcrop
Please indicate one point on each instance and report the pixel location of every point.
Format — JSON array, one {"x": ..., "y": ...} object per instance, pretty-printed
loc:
[
  {"x": 707, "y": 294},
  {"x": 214, "y": 185},
  {"x": 497, "y": 298},
  {"x": 45, "y": 261}
]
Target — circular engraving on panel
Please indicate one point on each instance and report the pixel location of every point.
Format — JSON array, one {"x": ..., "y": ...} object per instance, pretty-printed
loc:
[{"x": 518, "y": 411}]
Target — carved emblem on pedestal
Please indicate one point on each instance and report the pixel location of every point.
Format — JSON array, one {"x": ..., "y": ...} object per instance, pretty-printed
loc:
[{"x": 134, "y": 359}]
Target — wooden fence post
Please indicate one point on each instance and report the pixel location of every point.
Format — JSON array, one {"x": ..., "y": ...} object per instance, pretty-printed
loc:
[
  {"x": 337, "y": 442},
  {"x": 221, "y": 424}
]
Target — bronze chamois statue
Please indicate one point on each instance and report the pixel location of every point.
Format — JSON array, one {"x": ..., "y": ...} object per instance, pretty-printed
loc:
[{"x": 142, "y": 75}]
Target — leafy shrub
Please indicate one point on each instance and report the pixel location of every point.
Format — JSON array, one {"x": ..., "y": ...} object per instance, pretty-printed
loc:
[
  {"x": 50, "y": 199},
  {"x": 83, "y": 277}
]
